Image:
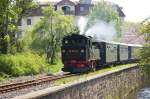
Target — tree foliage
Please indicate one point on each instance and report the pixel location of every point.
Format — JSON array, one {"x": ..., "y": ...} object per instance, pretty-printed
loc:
[
  {"x": 22, "y": 64},
  {"x": 145, "y": 52},
  {"x": 11, "y": 11},
  {"x": 146, "y": 29},
  {"x": 50, "y": 30},
  {"x": 131, "y": 27},
  {"x": 103, "y": 11}
]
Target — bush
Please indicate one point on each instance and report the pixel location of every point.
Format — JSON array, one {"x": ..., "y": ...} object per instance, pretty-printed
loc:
[
  {"x": 22, "y": 64},
  {"x": 145, "y": 59},
  {"x": 3, "y": 76}
]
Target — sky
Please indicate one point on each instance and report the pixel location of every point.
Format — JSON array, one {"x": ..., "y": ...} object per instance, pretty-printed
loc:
[{"x": 135, "y": 10}]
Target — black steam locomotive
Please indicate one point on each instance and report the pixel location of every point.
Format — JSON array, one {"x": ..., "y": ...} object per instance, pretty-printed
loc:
[{"x": 81, "y": 53}]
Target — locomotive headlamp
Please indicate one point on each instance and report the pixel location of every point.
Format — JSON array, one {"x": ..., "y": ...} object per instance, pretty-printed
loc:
[
  {"x": 66, "y": 42},
  {"x": 82, "y": 50}
]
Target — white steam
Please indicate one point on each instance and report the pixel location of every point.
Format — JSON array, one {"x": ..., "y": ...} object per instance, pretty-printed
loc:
[
  {"x": 82, "y": 22},
  {"x": 102, "y": 31}
]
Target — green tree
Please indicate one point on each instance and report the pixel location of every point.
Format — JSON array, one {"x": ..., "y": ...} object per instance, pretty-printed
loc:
[
  {"x": 146, "y": 29},
  {"x": 11, "y": 11},
  {"x": 145, "y": 52},
  {"x": 50, "y": 30},
  {"x": 131, "y": 27},
  {"x": 103, "y": 11}
]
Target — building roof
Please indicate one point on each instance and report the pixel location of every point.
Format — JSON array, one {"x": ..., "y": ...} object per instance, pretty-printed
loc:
[
  {"x": 119, "y": 9},
  {"x": 68, "y": 2},
  {"x": 133, "y": 39},
  {"x": 38, "y": 11}
]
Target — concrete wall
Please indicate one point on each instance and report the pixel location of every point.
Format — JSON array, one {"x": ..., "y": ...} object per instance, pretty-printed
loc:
[{"x": 111, "y": 85}]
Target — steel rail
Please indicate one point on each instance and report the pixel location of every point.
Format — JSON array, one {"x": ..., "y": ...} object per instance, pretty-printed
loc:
[{"x": 21, "y": 85}]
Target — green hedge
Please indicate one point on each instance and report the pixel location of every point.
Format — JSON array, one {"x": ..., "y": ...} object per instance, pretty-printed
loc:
[{"x": 22, "y": 64}]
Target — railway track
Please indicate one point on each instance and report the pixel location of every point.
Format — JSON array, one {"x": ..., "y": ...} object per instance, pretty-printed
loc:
[{"x": 21, "y": 85}]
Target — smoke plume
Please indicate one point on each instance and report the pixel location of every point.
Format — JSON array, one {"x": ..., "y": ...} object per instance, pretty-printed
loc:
[
  {"x": 82, "y": 22},
  {"x": 102, "y": 31},
  {"x": 99, "y": 31}
]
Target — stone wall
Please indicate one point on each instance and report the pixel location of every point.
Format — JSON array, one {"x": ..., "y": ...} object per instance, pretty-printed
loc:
[{"x": 112, "y": 85}]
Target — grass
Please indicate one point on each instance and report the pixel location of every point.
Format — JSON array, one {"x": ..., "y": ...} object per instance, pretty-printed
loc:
[
  {"x": 2, "y": 78},
  {"x": 111, "y": 68},
  {"x": 55, "y": 68},
  {"x": 90, "y": 74}
]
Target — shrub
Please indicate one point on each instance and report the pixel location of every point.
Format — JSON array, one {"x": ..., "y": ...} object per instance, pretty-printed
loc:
[
  {"x": 23, "y": 64},
  {"x": 3, "y": 76},
  {"x": 145, "y": 59}
]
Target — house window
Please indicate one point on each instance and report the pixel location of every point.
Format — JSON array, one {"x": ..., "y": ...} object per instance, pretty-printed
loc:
[
  {"x": 19, "y": 22},
  {"x": 81, "y": 8},
  {"x": 65, "y": 8},
  {"x": 28, "y": 21}
]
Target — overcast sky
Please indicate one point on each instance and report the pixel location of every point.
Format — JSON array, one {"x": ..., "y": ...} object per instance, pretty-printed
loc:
[{"x": 135, "y": 10}]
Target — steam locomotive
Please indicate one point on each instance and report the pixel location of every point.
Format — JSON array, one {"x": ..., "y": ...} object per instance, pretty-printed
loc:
[{"x": 81, "y": 53}]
